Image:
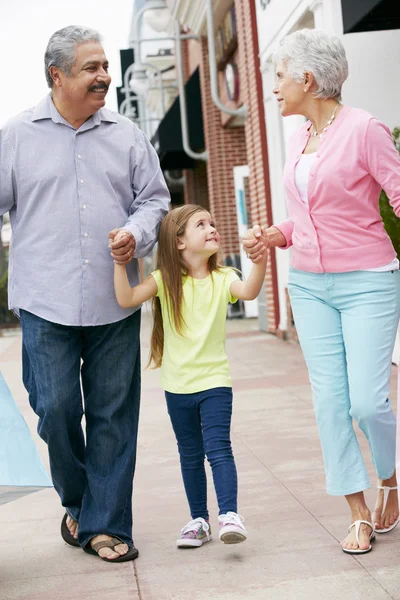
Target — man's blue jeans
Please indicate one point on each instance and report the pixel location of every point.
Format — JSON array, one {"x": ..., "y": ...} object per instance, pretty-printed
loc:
[
  {"x": 202, "y": 423},
  {"x": 93, "y": 475}
]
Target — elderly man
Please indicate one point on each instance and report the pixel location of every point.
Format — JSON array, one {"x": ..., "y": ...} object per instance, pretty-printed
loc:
[{"x": 71, "y": 171}]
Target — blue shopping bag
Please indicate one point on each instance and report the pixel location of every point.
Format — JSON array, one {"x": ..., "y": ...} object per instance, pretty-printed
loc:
[{"x": 20, "y": 464}]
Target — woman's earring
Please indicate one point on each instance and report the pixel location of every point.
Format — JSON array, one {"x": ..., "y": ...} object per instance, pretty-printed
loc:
[{"x": 305, "y": 89}]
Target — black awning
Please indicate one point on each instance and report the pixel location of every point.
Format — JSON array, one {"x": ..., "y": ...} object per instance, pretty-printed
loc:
[
  {"x": 167, "y": 140},
  {"x": 370, "y": 15}
]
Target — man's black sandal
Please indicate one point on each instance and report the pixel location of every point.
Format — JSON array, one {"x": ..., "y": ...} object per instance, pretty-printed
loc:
[
  {"x": 111, "y": 543},
  {"x": 66, "y": 534}
]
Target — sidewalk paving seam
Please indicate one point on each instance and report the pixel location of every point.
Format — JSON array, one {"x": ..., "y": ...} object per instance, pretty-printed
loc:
[
  {"x": 299, "y": 398},
  {"x": 370, "y": 574},
  {"x": 287, "y": 489},
  {"x": 136, "y": 575},
  {"x": 311, "y": 514},
  {"x": 252, "y": 575}
]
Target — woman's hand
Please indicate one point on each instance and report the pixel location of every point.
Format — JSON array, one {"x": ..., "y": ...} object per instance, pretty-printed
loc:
[{"x": 258, "y": 239}]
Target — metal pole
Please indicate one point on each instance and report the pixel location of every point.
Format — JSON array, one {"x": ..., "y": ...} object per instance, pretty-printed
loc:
[
  {"x": 182, "y": 97},
  {"x": 136, "y": 43},
  {"x": 138, "y": 40},
  {"x": 184, "y": 36},
  {"x": 126, "y": 109},
  {"x": 136, "y": 49},
  {"x": 237, "y": 112},
  {"x": 160, "y": 87},
  {"x": 182, "y": 101},
  {"x": 127, "y": 75}
]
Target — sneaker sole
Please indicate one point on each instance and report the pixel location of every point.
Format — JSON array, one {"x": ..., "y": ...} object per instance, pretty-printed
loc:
[
  {"x": 192, "y": 543},
  {"x": 232, "y": 537}
]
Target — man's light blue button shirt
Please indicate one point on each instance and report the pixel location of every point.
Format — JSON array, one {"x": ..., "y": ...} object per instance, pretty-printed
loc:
[{"x": 65, "y": 190}]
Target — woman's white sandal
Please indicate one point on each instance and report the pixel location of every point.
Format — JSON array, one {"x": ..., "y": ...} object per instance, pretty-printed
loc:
[
  {"x": 357, "y": 525},
  {"x": 386, "y": 489}
]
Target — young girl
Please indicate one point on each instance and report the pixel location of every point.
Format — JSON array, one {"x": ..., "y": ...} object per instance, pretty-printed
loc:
[{"x": 191, "y": 292}]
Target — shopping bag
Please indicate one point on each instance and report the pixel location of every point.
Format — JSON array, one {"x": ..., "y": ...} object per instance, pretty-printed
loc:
[{"x": 21, "y": 469}]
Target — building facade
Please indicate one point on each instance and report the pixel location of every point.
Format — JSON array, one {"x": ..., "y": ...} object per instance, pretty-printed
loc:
[
  {"x": 231, "y": 158},
  {"x": 233, "y": 180}
]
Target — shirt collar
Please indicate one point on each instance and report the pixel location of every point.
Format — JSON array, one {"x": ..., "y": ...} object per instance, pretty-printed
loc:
[
  {"x": 104, "y": 114},
  {"x": 43, "y": 109},
  {"x": 46, "y": 110}
]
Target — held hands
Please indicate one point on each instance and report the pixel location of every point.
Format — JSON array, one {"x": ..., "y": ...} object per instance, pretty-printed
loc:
[
  {"x": 255, "y": 244},
  {"x": 122, "y": 244},
  {"x": 258, "y": 239}
]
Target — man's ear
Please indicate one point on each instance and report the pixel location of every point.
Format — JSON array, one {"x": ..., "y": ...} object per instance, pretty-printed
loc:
[
  {"x": 55, "y": 75},
  {"x": 180, "y": 243}
]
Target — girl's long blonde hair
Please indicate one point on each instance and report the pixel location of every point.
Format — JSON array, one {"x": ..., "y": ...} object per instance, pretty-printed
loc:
[{"x": 172, "y": 268}]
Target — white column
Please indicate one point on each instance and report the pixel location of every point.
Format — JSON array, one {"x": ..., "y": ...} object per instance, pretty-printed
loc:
[
  {"x": 276, "y": 158},
  {"x": 319, "y": 10}
]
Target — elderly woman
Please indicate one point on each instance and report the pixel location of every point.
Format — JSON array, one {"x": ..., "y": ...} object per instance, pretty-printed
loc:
[{"x": 344, "y": 281}]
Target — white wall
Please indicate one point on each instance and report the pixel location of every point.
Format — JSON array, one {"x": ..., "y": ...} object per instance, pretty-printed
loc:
[{"x": 374, "y": 77}]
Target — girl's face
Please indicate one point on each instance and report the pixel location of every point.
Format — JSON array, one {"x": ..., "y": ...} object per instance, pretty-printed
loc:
[
  {"x": 289, "y": 93},
  {"x": 201, "y": 235}
]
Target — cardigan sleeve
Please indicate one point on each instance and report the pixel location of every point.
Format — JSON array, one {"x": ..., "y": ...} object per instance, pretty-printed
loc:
[
  {"x": 383, "y": 160},
  {"x": 286, "y": 228}
]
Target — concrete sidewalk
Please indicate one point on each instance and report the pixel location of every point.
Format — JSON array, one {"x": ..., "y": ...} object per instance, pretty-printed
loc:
[{"x": 292, "y": 552}]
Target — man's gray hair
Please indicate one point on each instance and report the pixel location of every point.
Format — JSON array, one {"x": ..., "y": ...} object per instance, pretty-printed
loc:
[
  {"x": 61, "y": 49},
  {"x": 312, "y": 50}
]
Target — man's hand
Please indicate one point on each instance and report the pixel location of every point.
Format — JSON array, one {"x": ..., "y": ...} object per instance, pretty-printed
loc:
[
  {"x": 258, "y": 239},
  {"x": 122, "y": 244}
]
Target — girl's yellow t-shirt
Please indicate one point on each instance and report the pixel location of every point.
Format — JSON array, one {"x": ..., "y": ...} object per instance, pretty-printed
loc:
[{"x": 197, "y": 360}]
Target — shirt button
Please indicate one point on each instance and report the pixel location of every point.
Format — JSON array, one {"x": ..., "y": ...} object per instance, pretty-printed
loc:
[
  {"x": 81, "y": 180},
  {"x": 86, "y": 261},
  {"x": 85, "y": 234},
  {"x": 79, "y": 156},
  {"x": 84, "y": 206}
]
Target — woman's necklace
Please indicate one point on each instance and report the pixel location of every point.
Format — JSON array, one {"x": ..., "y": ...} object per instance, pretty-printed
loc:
[{"x": 320, "y": 132}]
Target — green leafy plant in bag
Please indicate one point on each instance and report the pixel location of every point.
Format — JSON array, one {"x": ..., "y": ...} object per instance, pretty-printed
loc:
[{"x": 390, "y": 220}]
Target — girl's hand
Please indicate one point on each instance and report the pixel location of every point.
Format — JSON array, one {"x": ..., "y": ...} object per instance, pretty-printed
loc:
[
  {"x": 255, "y": 244},
  {"x": 122, "y": 244},
  {"x": 258, "y": 239}
]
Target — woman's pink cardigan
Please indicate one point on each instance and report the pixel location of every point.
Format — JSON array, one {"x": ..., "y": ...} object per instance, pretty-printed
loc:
[{"x": 341, "y": 228}]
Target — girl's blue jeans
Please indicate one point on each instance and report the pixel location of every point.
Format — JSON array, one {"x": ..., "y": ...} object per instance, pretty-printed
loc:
[
  {"x": 347, "y": 323},
  {"x": 202, "y": 423}
]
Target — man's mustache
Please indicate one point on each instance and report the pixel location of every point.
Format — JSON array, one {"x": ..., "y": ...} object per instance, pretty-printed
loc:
[{"x": 99, "y": 86}]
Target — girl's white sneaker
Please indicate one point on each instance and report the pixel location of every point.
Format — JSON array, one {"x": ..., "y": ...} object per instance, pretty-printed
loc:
[
  {"x": 231, "y": 528},
  {"x": 194, "y": 534}
]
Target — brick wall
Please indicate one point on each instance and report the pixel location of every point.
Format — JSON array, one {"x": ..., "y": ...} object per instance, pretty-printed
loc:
[
  {"x": 232, "y": 146},
  {"x": 196, "y": 185},
  {"x": 256, "y": 139},
  {"x": 227, "y": 149}
]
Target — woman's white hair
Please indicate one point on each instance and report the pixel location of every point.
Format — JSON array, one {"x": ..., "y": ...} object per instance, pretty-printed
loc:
[
  {"x": 61, "y": 49},
  {"x": 313, "y": 50}
]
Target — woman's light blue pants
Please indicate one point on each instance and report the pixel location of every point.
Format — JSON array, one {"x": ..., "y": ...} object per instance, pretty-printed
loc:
[{"x": 347, "y": 323}]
